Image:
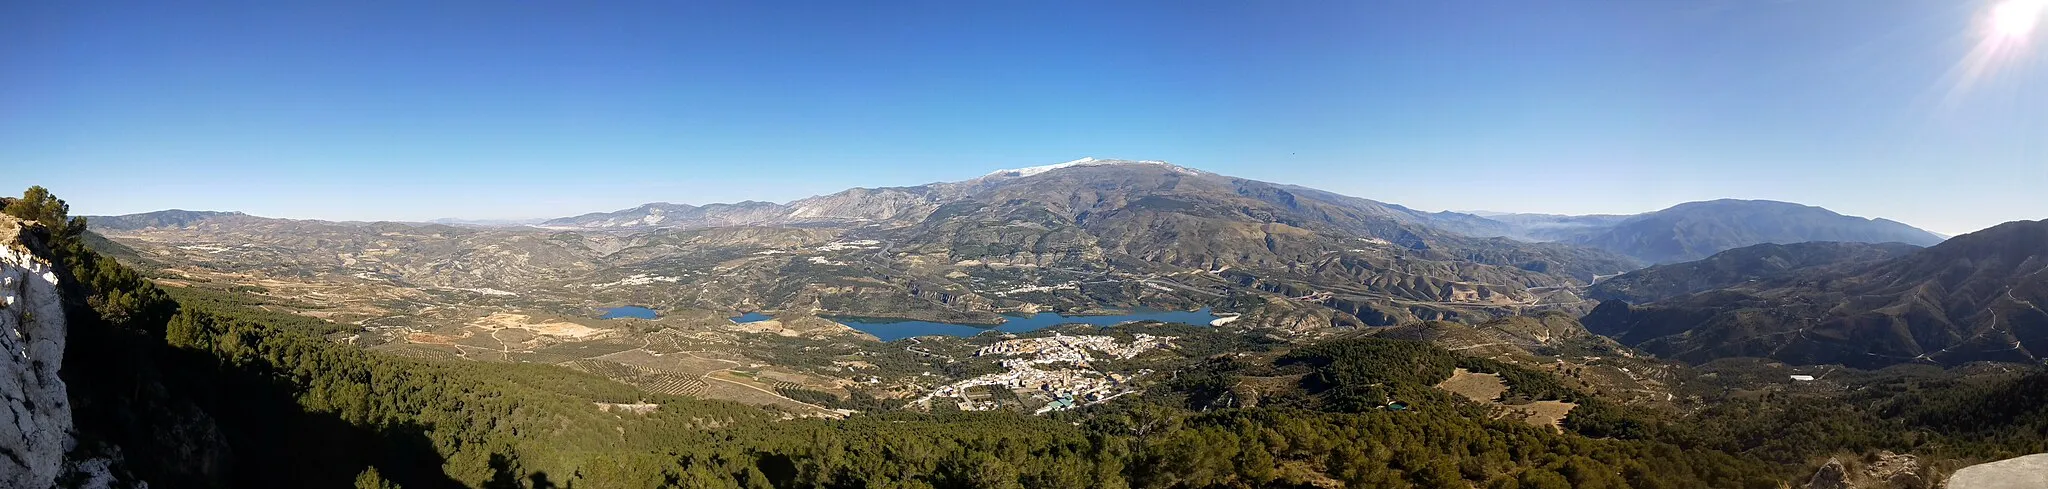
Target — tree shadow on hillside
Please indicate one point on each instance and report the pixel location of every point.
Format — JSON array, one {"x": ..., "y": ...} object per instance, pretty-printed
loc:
[
  {"x": 505, "y": 475},
  {"x": 277, "y": 443},
  {"x": 183, "y": 418}
]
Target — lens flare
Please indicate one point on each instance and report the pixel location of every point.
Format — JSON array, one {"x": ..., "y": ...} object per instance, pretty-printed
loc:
[
  {"x": 2003, "y": 43},
  {"x": 2015, "y": 19}
]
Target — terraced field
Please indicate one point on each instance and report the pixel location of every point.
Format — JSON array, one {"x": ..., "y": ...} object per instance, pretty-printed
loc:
[
  {"x": 685, "y": 363},
  {"x": 646, "y": 379},
  {"x": 674, "y": 384},
  {"x": 689, "y": 374}
]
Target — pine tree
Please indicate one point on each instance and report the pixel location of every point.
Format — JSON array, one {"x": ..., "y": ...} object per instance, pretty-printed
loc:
[
  {"x": 370, "y": 479},
  {"x": 38, "y": 204}
]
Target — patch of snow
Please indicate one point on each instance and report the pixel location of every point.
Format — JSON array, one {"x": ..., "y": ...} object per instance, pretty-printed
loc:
[{"x": 1088, "y": 161}]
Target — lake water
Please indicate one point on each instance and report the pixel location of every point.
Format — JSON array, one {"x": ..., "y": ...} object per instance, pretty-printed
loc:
[
  {"x": 892, "y": 330},
  {"x": 635, "y": 312},
  {"x": 750, "y": 317}
]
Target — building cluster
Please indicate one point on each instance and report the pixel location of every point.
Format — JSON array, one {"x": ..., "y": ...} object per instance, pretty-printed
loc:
[
  {"x": 1055, "y": 369},
  {"x": 1074, "y": 350}
]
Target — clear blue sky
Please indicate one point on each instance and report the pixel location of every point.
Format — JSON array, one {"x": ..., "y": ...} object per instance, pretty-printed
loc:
[{"x": 369, "y": 109}]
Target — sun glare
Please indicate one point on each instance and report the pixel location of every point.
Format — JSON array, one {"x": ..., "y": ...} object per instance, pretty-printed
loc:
[
  {"x": 2003, "y": 41},
  {"x": 2015, "y": 19}
]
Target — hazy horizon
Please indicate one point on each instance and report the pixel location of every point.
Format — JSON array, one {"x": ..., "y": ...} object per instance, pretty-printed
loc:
[
  {"x": 1908, "y": 110},
  {"x": 573, "y": 212}
]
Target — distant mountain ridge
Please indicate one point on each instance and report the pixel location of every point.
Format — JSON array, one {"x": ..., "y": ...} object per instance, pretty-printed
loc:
[
  {"x": 1552, "y": 227},
  {"x": 456, "y": 221},
  {"x": 1974, "y": 297},
  {"x": 1696, "y": 230},
  {"x": 1739, "y": 266},
  {"x": 1027, "y": 239},
  {"x": 871, "y": 204},
  {"x": 1085, "y": 161},
  {"x": 1085, "y": 235},
  {"x": 1683, "y": 232},
  {"x": 667, "y": 215},
  {"x": 157, "y": 219}
]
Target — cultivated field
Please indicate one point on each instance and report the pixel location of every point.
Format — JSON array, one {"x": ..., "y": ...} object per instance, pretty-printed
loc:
[
  {"x": 1475, "y": 386},
  {"x": 1488, "y": 388}
]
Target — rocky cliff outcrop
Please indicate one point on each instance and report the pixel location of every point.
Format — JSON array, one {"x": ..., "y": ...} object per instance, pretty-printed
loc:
[
  {"x": 35, "y": 411},
  {"x": 1832, "y": 475},
  {"x": 2012, "y": 473}
]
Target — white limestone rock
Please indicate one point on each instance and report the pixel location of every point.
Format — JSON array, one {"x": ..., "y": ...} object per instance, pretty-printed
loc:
[
  {"x": 35, "y": 411},
  {"x": 2027, "y": 472}
]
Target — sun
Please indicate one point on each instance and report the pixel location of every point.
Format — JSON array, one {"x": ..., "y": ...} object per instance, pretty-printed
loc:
[{"x": 2015, "y": 19}]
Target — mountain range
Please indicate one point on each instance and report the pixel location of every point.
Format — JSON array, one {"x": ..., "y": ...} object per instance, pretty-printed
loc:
[
  {"x": 875, "y": 204},
  {"x": 1974, "y": 297},
  {"x": 1684, "y": 232},
  {"x": 1550, "y": 227},
  {"x": 1080, "y": 236},
  {"x": 1739, "y": 266},
  {"x": 174, "y": 218},
  {"x": 1076, "y": 236},
  {"x": 1695, "y": 230}
]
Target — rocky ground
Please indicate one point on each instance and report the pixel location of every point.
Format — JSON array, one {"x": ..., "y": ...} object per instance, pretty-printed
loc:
[{"x": 2025, "y": 472}]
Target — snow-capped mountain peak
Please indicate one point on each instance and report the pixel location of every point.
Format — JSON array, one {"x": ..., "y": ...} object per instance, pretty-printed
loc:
[{"x": 1087, "y": 161}]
